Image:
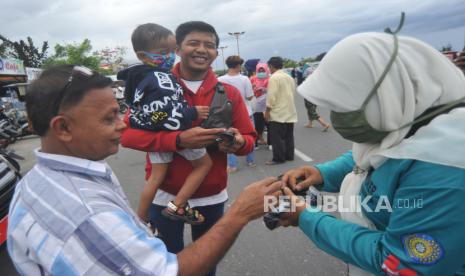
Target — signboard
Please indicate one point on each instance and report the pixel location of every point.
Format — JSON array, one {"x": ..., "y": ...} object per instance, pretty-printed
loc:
[
  {"x": 32, "y": 73},
  {"x": 11, "y": 66}
]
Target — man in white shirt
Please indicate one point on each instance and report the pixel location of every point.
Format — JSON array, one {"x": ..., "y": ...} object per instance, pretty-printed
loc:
[{"x": 243, "y": 84}]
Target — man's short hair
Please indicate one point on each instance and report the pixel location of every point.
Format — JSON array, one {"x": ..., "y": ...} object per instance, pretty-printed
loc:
[
  {"x": 276, "y": 62},
  {"x": 43, "y": 94},
  {"x": 146, "y": 36},
  {"x": 233, "y": 61},
  {"x": 195, "y": 26}
]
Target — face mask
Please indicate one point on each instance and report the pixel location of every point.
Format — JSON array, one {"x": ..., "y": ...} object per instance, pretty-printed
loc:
[
  {"x": 354, "y": 126},
  {"x": 164, "y": 62},
  {"x": 261, "y": 75}
]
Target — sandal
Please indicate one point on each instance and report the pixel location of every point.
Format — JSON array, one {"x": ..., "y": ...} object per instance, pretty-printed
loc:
[{"x": 185, "y": 214}]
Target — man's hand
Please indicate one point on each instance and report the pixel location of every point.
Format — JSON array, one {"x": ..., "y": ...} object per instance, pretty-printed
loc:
[
  {"x": 202, "y": 112},
  {"x": 198, "y": 137},
  {"x": 227, "y": 147},
  {"x": 267, "y": 116},
  {"x": 250, "y": 203},
  {"x": 292, "y": 219},
  {"x": 200, "y": 257},
  {"x": 311, "y": 174}
]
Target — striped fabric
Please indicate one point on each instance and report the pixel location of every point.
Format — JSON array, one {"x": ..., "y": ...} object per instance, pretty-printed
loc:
[{"x": 69, "y": 216}]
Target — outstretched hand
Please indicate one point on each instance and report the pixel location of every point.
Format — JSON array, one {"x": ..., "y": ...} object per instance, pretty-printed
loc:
[{"x": 250, "y": 203}]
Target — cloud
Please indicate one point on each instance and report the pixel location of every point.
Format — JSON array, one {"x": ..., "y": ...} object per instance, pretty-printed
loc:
[{"x": 291, "y": 28}]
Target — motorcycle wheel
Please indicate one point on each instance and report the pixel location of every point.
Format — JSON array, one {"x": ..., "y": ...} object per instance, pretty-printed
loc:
[{"x": 123, "y": 108}]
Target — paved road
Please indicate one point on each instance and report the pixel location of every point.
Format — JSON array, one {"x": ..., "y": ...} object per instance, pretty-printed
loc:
[{"x": 257, "y": 251}]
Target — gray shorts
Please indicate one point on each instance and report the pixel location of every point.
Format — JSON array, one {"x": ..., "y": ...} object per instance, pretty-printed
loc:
[{"x": 167, "y": 157}]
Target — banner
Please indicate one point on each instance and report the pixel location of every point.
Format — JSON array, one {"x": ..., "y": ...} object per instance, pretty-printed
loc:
[
  {"x": 32, "y": 73},
  {"x": 11, "y": 66}
]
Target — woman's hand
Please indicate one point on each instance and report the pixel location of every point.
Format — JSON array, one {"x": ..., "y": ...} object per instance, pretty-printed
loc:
[
  {"x": 311, "y": 175},
  {"x": 297, "y": 206}
]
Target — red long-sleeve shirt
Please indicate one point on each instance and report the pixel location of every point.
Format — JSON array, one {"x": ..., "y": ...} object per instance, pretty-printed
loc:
[{"x": 165, "y": 141}]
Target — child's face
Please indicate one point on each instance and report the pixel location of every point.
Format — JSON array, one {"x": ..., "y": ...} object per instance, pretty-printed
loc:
[
  {"x": 165, "y": 46},
  {"x": 161, "y": 55}
]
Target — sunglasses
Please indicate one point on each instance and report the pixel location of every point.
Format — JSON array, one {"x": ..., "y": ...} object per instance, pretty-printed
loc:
[{"x": 77, "y": 71}]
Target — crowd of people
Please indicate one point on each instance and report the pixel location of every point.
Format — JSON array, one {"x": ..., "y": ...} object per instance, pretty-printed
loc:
[{"x": 396, "y": 98}]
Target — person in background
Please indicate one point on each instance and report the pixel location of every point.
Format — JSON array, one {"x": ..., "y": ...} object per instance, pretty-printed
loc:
[
  {"x": 460, "y": 60},
  {"x": 242, "y": 83},
  {"x": 259, "y": 84},
  {"x": 280, "y": 112},
  {"x": 314, "y": 116}
]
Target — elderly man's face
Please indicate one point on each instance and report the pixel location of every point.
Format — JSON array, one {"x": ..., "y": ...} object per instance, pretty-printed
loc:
[{"x": 95, "y": 126}]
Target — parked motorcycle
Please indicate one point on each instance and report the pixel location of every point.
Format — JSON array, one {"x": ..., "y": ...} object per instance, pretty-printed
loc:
[
  {"x": 10, "y": 174},
  {"x": 13, "y": 124},
  {"x": 123, "y": 107}
]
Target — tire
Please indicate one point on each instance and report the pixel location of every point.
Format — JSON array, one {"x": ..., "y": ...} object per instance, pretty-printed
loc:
[{"x": 123, "y": 107}]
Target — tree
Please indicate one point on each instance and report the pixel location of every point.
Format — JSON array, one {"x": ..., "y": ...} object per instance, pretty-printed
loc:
[
  {"x": 3, "y": 49},
  {"x": 320, "y": 56},
  {"x": 25, "y": 51},
  {"x": 446, "y": 48},
  {"x": 75, "y": 53},
  {"x": 112, "y": 58},
  {"x": 289, "y": 63}
]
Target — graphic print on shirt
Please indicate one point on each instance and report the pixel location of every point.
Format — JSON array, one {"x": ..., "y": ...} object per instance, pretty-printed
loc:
[
  {"x": 138, "y": 94},
  {"x": 164, "y": 81},
  {"x": 159, "y": 104}
]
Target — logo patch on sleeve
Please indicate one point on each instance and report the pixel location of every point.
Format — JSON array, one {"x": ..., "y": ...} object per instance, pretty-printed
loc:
[{"x": 422, "y": 248}]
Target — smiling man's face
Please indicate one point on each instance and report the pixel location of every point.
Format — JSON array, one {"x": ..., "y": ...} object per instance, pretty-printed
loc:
[{"x": 197, "y": 52}]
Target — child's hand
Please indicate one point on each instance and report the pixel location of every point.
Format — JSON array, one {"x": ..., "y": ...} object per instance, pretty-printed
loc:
[{"x": 202, "y": 112}]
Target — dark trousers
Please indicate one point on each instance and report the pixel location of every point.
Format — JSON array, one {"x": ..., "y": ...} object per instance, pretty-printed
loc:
[
  {"x": 259, "y": 120},
  {"x": 282, "y": 141},
  {"x": 172, "y": 232}
]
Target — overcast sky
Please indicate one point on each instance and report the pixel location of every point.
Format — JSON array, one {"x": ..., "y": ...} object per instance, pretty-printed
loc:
[{"x": 288, "y": 28}]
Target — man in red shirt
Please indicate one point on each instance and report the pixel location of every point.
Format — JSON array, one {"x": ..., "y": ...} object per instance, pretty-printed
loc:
[{"x": 197, "y": 44}]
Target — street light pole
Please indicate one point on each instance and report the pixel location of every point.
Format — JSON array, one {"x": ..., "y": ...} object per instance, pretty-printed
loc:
[
  {"x": 222, "y": 53},
  {"x": 236, "y": 35}
]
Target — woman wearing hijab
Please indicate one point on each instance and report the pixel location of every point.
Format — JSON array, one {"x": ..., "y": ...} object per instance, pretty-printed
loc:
[
  {"x": 402, "y": 187},
  {"x": 259, "y": 84}
]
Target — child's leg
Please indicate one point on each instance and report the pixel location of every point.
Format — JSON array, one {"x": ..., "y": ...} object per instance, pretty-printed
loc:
[
  {"x": 150, "y": 189},
  {"x": 160, "y": 162},
  {"x": 201, "y": 167}
]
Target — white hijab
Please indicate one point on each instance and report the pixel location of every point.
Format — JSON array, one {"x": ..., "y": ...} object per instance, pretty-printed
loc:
[{"x": 421, "y": 77}]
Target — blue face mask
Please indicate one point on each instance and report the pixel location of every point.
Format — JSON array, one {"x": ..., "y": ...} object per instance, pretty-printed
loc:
[
  {"x": 261, "y": 75},
  {"x": 164, "y": 62}
]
